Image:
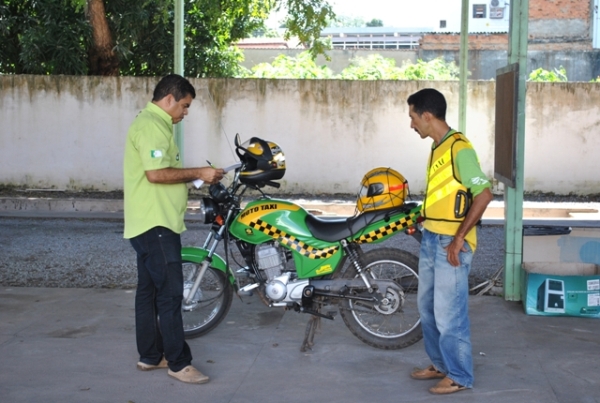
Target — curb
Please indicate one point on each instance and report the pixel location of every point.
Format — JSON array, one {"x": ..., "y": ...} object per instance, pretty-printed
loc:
[{"x": 534, "y": 213}]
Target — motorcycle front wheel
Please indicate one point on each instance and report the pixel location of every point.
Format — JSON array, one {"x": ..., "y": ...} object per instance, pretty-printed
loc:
[
  {"x": 394, "y": 323},
  {"x": 211, "y": 302}
]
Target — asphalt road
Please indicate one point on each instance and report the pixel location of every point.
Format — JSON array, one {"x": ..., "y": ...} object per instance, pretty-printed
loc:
[{"x": 91, "y": 253}]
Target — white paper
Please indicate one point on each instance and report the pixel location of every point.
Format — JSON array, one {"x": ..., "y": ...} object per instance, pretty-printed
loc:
[
  {"x": 232, "y": 166},
  {"x": 199, "y": 182}
]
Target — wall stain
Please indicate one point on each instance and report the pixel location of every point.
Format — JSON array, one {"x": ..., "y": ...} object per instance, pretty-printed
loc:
[{"x": 354, "y": 112}]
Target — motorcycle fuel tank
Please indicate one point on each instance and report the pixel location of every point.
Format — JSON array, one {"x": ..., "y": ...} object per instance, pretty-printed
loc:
[{"x": 282, "y": 221}]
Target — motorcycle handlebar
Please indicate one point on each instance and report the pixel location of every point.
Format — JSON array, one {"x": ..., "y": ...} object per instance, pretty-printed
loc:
[{"x": 273, "y": 184}]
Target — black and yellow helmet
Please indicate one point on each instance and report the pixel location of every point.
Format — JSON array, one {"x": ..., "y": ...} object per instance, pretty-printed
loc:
[
  {"x": 262, "y": 161},
  {"x": 381, "y": 188}
]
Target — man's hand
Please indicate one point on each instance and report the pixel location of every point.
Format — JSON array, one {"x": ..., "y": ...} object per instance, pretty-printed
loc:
[
  {"x": 456, "y": 246},
  {"x": 212, "y": 175},
  {"x": 475, "y": 213}
]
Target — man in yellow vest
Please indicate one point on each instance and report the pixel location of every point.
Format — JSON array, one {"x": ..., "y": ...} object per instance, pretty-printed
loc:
[
  {"x": 155, "y": 203},
  {"x": 458, "y": 193}
]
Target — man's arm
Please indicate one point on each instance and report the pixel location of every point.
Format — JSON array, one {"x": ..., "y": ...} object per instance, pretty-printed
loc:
[
  {"x": 184, "y": 175},
  {"x": 480, "y": 203}
]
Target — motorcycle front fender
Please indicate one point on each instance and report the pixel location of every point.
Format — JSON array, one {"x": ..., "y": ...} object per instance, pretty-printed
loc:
[{"x": 197, "y": 255}]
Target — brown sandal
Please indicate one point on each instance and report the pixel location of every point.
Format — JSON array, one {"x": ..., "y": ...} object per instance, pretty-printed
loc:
[
  {"x": 430, "y": 372},
  {"x": 446, "y": 386}
]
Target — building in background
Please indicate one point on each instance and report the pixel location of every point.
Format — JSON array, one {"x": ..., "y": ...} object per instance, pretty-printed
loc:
[{"x": 562, "y": 33}]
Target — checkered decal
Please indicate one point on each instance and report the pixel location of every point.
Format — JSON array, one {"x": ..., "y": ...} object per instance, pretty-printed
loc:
[
  {"x": 291, "y": 242},
  {"x": 389, "y": 229}
]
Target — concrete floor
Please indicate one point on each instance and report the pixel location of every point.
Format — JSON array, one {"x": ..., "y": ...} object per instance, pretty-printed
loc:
[{"x": 78, "y": 345}]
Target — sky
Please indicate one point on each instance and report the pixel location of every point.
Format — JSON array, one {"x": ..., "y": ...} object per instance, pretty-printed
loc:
[{"x": 400, "y": 13}]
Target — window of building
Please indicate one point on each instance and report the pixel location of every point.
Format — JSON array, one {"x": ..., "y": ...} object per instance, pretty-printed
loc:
[
  {"x": 442, "y": 23},
  {"x": 496, "y": 13},
  {"x": 479, "y": 10}
]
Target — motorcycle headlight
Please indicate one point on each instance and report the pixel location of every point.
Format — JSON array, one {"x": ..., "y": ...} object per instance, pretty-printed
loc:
[{"x": 208, "y": 210}]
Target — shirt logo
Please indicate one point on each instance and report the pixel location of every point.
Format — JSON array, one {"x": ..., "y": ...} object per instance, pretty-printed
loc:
[
  {"x": 156, "y": 154},
  {"x": 177, "y": 157},
  {"x": 479, "y": 181}
]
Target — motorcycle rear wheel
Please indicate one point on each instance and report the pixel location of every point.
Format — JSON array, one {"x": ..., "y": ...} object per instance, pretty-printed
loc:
[
  {"x": 375, "y": 325},
  {"x": 211, "y": 304}
]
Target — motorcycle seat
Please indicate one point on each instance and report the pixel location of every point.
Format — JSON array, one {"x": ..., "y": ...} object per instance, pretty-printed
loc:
[{"x": 336, "y": 229}]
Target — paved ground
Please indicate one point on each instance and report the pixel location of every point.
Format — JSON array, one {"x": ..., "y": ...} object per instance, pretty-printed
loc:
[
  {"x": 77, "y": 242},
  {"x": 78, "y": 252},
  {"x": 78, "y": 345}
]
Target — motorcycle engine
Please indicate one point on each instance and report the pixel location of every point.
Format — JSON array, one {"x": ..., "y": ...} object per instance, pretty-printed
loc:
[
  {"x": 281, "y": 285},
  {"x": 271, "y": 259}
]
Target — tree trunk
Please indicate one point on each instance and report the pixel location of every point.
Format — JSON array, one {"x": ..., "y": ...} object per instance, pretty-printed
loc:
[{"x": 102, "y": 58}]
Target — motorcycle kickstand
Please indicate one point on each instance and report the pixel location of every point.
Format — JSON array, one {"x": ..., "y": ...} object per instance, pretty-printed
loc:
[
  {"x": 311, "y": 327},
  {"x": 314, "y": 324}
]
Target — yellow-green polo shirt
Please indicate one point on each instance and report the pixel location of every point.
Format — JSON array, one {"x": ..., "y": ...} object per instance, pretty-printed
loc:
[{"x": 150, "y": 145}]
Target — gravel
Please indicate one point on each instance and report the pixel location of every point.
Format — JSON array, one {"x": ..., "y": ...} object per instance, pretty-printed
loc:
[{"x": 91, "y": 253}]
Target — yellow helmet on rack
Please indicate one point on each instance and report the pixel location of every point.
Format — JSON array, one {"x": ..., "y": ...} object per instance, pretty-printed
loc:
[{"x": 381, "y": 188}]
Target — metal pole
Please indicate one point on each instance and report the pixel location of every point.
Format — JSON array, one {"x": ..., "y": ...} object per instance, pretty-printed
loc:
[
  {"x": 179, "y": 67},
  {"x": 464, "y": 67},
  {"x": 513, "y": 197}
]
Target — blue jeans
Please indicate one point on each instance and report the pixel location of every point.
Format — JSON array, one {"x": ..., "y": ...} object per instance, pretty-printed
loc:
[
  {"x": 159, "y": 295},
  {"x": 443, "y": 298}
]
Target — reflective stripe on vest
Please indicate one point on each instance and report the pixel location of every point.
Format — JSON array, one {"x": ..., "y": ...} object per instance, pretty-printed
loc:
[{"x": 443, "y": 186}]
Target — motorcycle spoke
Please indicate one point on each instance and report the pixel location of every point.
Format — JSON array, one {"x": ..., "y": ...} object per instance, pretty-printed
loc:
[
  {"x": 396, "y": 318},
  {"x": 211, "y": 292},
  {"x": 379, "y": 323}
]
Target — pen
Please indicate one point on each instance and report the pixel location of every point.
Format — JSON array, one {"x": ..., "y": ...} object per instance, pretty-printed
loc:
[{"x": 211, "y": 165}]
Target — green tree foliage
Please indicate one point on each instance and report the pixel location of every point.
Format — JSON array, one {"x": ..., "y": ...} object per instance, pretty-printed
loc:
[
  {"x": 342, "y": 21},
  {"x": 436, "y": 69},
  {"x": 59, "y": 36},
  {"x": 375, "y": 23},
  {"x": 305, "y": 19},
  {"x": 373, "y": 67},
  {"x": 377, "y": 67},
  {"x": 541, "y": 75},
  {"x": 43, "y": 37},
  {"x": 301, "y": 67},
  {"x": 265, "y": 32}
]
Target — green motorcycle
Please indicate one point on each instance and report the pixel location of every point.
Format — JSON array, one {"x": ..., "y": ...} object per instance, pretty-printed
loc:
[{"x": 296, "y": 260}]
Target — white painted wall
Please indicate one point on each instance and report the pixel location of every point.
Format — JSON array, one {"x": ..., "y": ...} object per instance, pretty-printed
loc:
[{"x": 69, "y": 132}]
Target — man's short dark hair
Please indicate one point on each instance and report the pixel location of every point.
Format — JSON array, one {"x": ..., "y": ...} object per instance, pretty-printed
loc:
[
  {"x": 175, "y": 85},
  {"x": 428, "y": 100}
]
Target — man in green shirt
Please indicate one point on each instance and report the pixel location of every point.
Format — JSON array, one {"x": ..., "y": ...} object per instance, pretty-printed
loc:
[{"x": 155, "y": 203}]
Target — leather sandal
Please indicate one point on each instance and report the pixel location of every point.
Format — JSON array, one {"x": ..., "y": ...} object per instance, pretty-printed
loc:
[
  {"x": 446, "y": 386},
  {"x": 430, "y": 372}
]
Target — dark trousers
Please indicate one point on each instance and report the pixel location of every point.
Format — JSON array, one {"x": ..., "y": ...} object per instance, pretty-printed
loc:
[{"x": 158, "y": 321}]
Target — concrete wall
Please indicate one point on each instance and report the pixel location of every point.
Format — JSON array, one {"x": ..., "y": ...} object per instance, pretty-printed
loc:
[
  {"x": 560, "y": 19},
  {"x": 69, "y": 132}
]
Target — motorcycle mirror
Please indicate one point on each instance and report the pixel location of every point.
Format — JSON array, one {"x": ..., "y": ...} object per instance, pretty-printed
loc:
[{"x": 238, "y": 147}]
